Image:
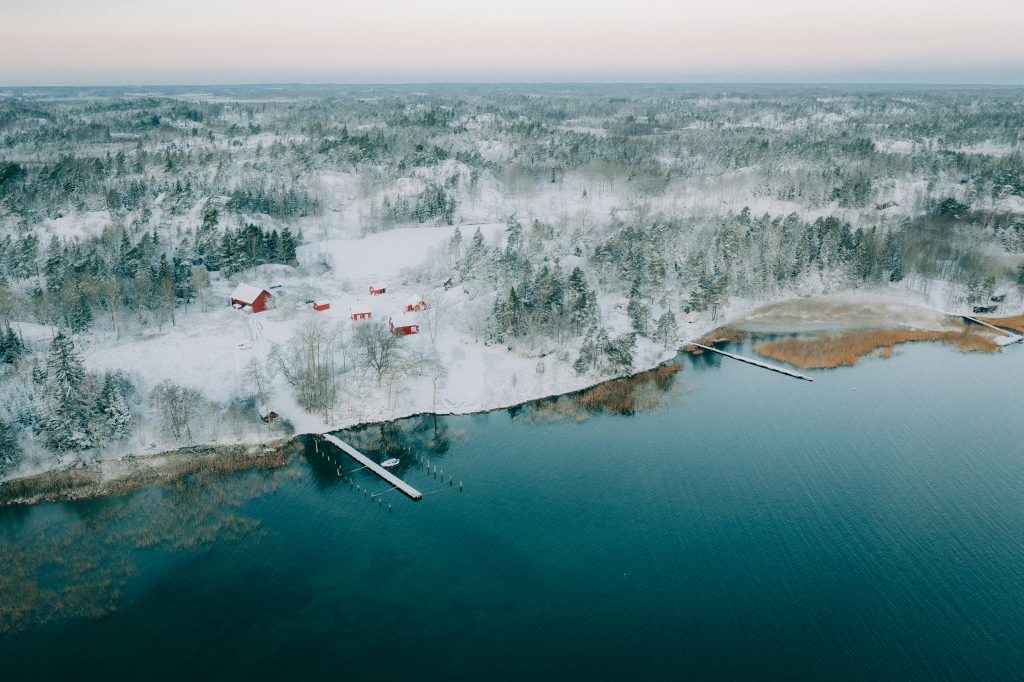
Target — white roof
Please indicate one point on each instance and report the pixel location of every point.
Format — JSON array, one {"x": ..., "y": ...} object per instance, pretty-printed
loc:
[
  {"x": 360, "y": 309},
  {"x": 321, "y": 302},
  {"x": 415, "y": 299},
  {"x": 246, "y": 293}
]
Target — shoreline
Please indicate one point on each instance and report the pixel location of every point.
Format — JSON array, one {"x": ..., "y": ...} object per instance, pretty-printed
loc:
[
  {"x": 128, "y": 473},
  {"x": 119, "y": 477}
]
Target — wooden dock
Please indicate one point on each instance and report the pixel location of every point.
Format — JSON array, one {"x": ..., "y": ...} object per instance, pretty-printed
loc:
[
  {"x": 752, "y": 361},
  {"x": 1010, "y": 337},
  {"x": 394, "y": 481}
]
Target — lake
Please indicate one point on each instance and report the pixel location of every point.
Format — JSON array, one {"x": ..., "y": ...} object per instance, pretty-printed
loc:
[{"x": 740, "y": 524}]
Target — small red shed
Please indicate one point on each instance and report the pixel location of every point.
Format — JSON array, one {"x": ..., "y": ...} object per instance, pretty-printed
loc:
[
  {"x": 374, "y": 291},
  {"x": 402, "y": 325},
  {"x": 416, "y": 304},
  {"x": 321, "y": 306},
  {"x": 361, "y": 314},
  {"x": 251, "y": 298}
]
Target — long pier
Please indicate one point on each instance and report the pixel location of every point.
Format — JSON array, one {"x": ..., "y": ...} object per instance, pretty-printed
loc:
[
  {"x": 1010, "y": 336},
  {"x": 395, "y": 481},
  {"x": 752, "y": 361}
]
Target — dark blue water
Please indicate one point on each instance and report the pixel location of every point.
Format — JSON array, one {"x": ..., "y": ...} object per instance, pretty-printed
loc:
[{"x": 869, "y": 525}]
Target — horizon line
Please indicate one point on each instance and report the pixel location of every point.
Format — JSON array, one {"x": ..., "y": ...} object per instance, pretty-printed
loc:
[{"x": 226, "y": 84}]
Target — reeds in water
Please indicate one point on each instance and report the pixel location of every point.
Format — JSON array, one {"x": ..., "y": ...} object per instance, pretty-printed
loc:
[{"x": 847, "y": 348}]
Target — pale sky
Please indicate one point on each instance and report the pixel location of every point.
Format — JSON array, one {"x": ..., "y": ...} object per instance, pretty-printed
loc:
[{"x": 101, "y": 42}]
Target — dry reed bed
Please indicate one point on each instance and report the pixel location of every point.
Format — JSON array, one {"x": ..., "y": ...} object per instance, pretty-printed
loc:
[
  {"x": 79, "y": 566},
  {"x": 87, "y": 482},
  {"x": 846, "y": 349},
  {"x": 724, "y": 334},
  {"x": 629, "y": 395},
  {"x": 1016, "y": 323}
]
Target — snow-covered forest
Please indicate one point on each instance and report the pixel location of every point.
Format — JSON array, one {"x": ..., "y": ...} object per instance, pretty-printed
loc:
[{"x": 557, "y": 235}]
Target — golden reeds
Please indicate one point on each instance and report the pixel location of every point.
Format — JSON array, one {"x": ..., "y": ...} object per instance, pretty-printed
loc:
[
  {"x": 835, "y": 350},
  {"x": 1016, "y": 323},
  {"x": 626, "y": 396}
]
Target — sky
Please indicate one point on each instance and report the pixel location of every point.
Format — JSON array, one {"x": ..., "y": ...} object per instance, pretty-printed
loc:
[{"x": 131, "y": 42}]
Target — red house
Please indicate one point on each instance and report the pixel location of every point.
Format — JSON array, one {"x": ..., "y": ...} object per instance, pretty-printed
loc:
[
  {"x": 321, "y": 306},
  {"x": 250, "y": 299},
  {"x": 403, "y": 326},
  {"x": 361, "y": 314},
  {"x": 377, "y": 292},
  {"x": 416, "y": 304}
]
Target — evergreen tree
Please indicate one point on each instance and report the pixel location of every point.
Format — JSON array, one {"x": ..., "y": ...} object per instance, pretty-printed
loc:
[
  {"x": 667, "y": 332},
  {"x": 10, "y": 450},
  {"x": 582, "y": 302},
  {"x": 619, "y": 353},
  {"x": 66, "y": 422},
  {"x": 289, "y": 248},
  {"x": 79, "y": 315},
  {"x": 455, "y": 246},
  {"x": 112, "y": 408},
  {"x": 11, "y": 347},
  {"x": 639, "y": 313},
  {"x": 55, "y": 266}
]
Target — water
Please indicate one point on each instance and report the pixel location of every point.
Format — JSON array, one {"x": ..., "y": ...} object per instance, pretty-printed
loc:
[{"x": 869, "y": 525}]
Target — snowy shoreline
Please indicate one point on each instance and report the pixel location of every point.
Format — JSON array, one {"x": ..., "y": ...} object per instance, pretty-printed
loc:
[{"x": 847, "y": 309}]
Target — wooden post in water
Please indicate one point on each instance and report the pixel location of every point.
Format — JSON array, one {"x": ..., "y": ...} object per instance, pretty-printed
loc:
[{"x": 388, "y": 477}]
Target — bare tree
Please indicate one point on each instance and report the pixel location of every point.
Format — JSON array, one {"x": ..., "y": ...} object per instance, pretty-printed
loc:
[
  {"x": 200, "y": 280},
  {"x": 376, "y": 348},
  {"x": 178, "y": 406},
  {"x": 309, "y": 365},
  {"x": 259, "y": 379},
  {"x": 438, "y": 374}
]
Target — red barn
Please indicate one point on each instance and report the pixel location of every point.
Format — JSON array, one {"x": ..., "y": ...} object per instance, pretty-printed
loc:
[
  {"x": 250, "y": 299},
  {"x": 361, "y": 314},
  {"x": 377, "y": 292},
  {"x": 402, "y": 325},
  {"x": 321, "y": 306},
  {"x": 415, "y": 304}
]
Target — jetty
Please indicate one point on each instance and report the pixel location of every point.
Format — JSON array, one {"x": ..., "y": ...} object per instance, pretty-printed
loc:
[
  {"x": 387, "y": 476},
  {"x": 752, "y": 361},
  {"x": 1006, "y": 340}
]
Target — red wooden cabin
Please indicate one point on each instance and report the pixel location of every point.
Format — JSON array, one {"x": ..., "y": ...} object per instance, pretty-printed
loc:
[
  {"x": 403, "y": 326},
  {"x": 321, "y": 306},
  {"x": 250, "y": 298},
  {"x": 374, "y": 291},
  {"x": 416, "y": 304}
]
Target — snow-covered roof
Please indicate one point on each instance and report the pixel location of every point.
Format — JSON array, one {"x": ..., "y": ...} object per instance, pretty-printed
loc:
[
  {"x": 415, "y": 300},
  {"x": 321, "y": 302},
  {"x": 360, "y": 309},
  {"x": 246, "y": 293},
  {"x": 404, "y": 320}
]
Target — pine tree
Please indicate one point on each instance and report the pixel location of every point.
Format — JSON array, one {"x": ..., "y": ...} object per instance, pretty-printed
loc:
[
  {"x": 455, "y": 246},
  {"x": 582, "y": 303},
  {"x": 639, "y": 313},
  {"x": 289, "y": 248},
  {"x": 667, "y": 329},
  {"x": 11, "y": 347},
  {"x": 10, "y": 450},
  {"x": 55, "y": 266},
  {"x": 620, "y": 353},
  {"x": 66, "y": 422},
  {"x": 475, "y": 254},
  {"x": 112, "y": 407},
  {"x": 79, "y": 316}
]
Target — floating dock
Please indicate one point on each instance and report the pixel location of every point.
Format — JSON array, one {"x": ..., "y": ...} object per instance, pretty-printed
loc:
[
  {"x": 752, "y": 361},
  {"x": 394, "y": 481}
]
